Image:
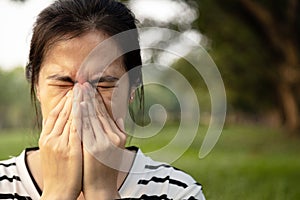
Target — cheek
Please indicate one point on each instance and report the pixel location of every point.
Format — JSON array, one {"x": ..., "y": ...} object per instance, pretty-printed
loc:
[
  {"x": 120, "y": 103},
  {"x": 49, "y": 98}
]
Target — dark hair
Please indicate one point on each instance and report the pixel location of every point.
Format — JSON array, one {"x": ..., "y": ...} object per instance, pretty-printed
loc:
[{"x": 66, "y": 19}]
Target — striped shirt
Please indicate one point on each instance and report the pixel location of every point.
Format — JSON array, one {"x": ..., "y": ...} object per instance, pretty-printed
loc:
[{"x": 154, "y": 181}]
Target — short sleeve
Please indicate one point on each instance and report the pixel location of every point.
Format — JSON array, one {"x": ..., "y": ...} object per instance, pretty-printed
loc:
[{"x": 192, "y": 192}]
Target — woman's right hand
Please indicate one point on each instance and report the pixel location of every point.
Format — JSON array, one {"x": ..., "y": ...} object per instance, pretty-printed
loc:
[{"x": 61, "y": 153}]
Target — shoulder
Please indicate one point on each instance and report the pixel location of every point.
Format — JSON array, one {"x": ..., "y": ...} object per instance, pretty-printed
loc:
[
  {"x": 8, "y": 169},
  {"x": 158, "y": 180},
  {"x": 11, "y": 186},
  {"x": 8, "y": 174}
]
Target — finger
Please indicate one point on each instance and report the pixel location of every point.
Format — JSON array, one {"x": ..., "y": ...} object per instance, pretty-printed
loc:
[
  {"x": 103, "y": 115},
  {"x": 120, "y": 124},
  {"x": 121, "y": 133},
  {"x": 49, "y": 122},
  {"x": 102, "y": 109},
  {"x": 96, "y": 125},
  {"x": 110, "y": 127},
  {"x": 108, "y": 123},
  {"x": 75, "y": 135},
  {"x": 97, "y": 110},
  {"x": 63, "y": 116},
  {"x": 66, "y": 132},
  {"x": 88, "y": 136},
  {"x": 43, "y": 123},
  {"x": 67, "y": 128},
  {"x": 76, "y": 111},
  {"x": 102, "y": 112}
]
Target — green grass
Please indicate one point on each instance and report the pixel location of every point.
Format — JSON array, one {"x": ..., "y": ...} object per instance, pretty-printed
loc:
[
  {"x": 247, "y": 162},
  {"x": 12, "y": 142}
]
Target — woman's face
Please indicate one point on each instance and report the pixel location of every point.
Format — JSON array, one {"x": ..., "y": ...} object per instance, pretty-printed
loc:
[{"x": 66, "y": 63}]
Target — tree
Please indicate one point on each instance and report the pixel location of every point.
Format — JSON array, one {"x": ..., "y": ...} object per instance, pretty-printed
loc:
[
  {"x": 258, "y": 58},
  {"x": 251, "y": 36},
  {"x": 15, "y": 107},
  {"x": 256, "y": 46}
]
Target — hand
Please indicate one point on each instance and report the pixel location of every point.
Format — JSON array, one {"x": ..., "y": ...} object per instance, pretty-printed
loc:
[
  {"x": 61, "y": 153},
  {"x": 102, "y": 140}
]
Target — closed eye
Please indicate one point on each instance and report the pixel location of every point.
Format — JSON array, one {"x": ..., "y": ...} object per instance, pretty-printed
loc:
[
  {"x": 105, "y": 82},
  {"x": 106, "y": 85},
  {"x": 61, "y": 85},
  {"x": 101, "y": 86},
  {"x": 60, "y": 81}
]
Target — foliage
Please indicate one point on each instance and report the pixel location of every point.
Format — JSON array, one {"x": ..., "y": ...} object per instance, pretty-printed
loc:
[
  {"x": 256, "y": 45},
  {"x": 15, "y": 103},
  {"x": 240, "y": 57}
]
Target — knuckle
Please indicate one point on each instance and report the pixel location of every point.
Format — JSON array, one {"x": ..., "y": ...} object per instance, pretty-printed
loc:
[
  {"x": 58, "y": 149},
  {"x": 100, "y": 114},
  {"x": 123, "y": 138},
  {"x": 53, "y": 114},
  {"x": 86, "y": 126},
  {"x": 41, "y": 142},
  {"x": 117, "y": 140},
  {"x": 93, "y": 116},
  {"x": 63, "y": 114},
  {"x": 73, "y": 129},
  {"x": 44, "y": 142}
]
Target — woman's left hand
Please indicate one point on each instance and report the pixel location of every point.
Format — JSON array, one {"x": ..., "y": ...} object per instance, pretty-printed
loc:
[{"x": 103, "y": 141}]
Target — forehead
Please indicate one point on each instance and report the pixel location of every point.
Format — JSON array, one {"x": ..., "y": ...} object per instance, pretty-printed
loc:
[{"x": 84, "y": 56}]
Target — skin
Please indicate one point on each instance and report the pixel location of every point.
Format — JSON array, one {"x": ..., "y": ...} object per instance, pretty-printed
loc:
[{"x": 79, "y": 126}]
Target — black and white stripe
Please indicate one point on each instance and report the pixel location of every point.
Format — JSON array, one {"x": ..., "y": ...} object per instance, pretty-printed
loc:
[
  {"x": 154, "y": 167},
  {"x": 14, "y": 196},
  {"x": 151, "y": 197},
  {"x": 8, "y": 164},
  {"x": 10, "y": 179},
  {"x": 11, "y": 186},
  {"x": 162, "y": 180}
]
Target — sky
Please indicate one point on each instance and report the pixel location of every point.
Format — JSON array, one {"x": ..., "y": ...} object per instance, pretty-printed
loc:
[{"x": 17, "y": 19}]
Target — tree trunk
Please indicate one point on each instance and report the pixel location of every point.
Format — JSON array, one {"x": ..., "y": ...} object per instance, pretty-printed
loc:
[
  {"x": 289, "y": 106},
  {"x": 289, "y": 79},
  {"x": 288, "y": 100},
  {"x": 289, "y": 72}
]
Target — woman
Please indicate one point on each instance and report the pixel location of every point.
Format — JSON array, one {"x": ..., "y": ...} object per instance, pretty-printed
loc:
[{"x": 81, "y": 79}]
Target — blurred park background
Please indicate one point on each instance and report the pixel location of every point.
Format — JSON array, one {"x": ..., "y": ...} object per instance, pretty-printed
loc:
[{"x": 256, "y": 46}]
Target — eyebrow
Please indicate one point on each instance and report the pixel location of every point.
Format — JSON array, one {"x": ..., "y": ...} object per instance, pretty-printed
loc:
[
  {"x": 104, "y": 79},
  {"x": 94, "y": 81},
  {"x": 61, "y": 78}
]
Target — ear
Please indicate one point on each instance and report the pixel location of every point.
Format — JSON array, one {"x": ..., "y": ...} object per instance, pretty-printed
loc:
[
  {"x": 37, "y": 89},
  {"x": 132, "y": 95}
]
